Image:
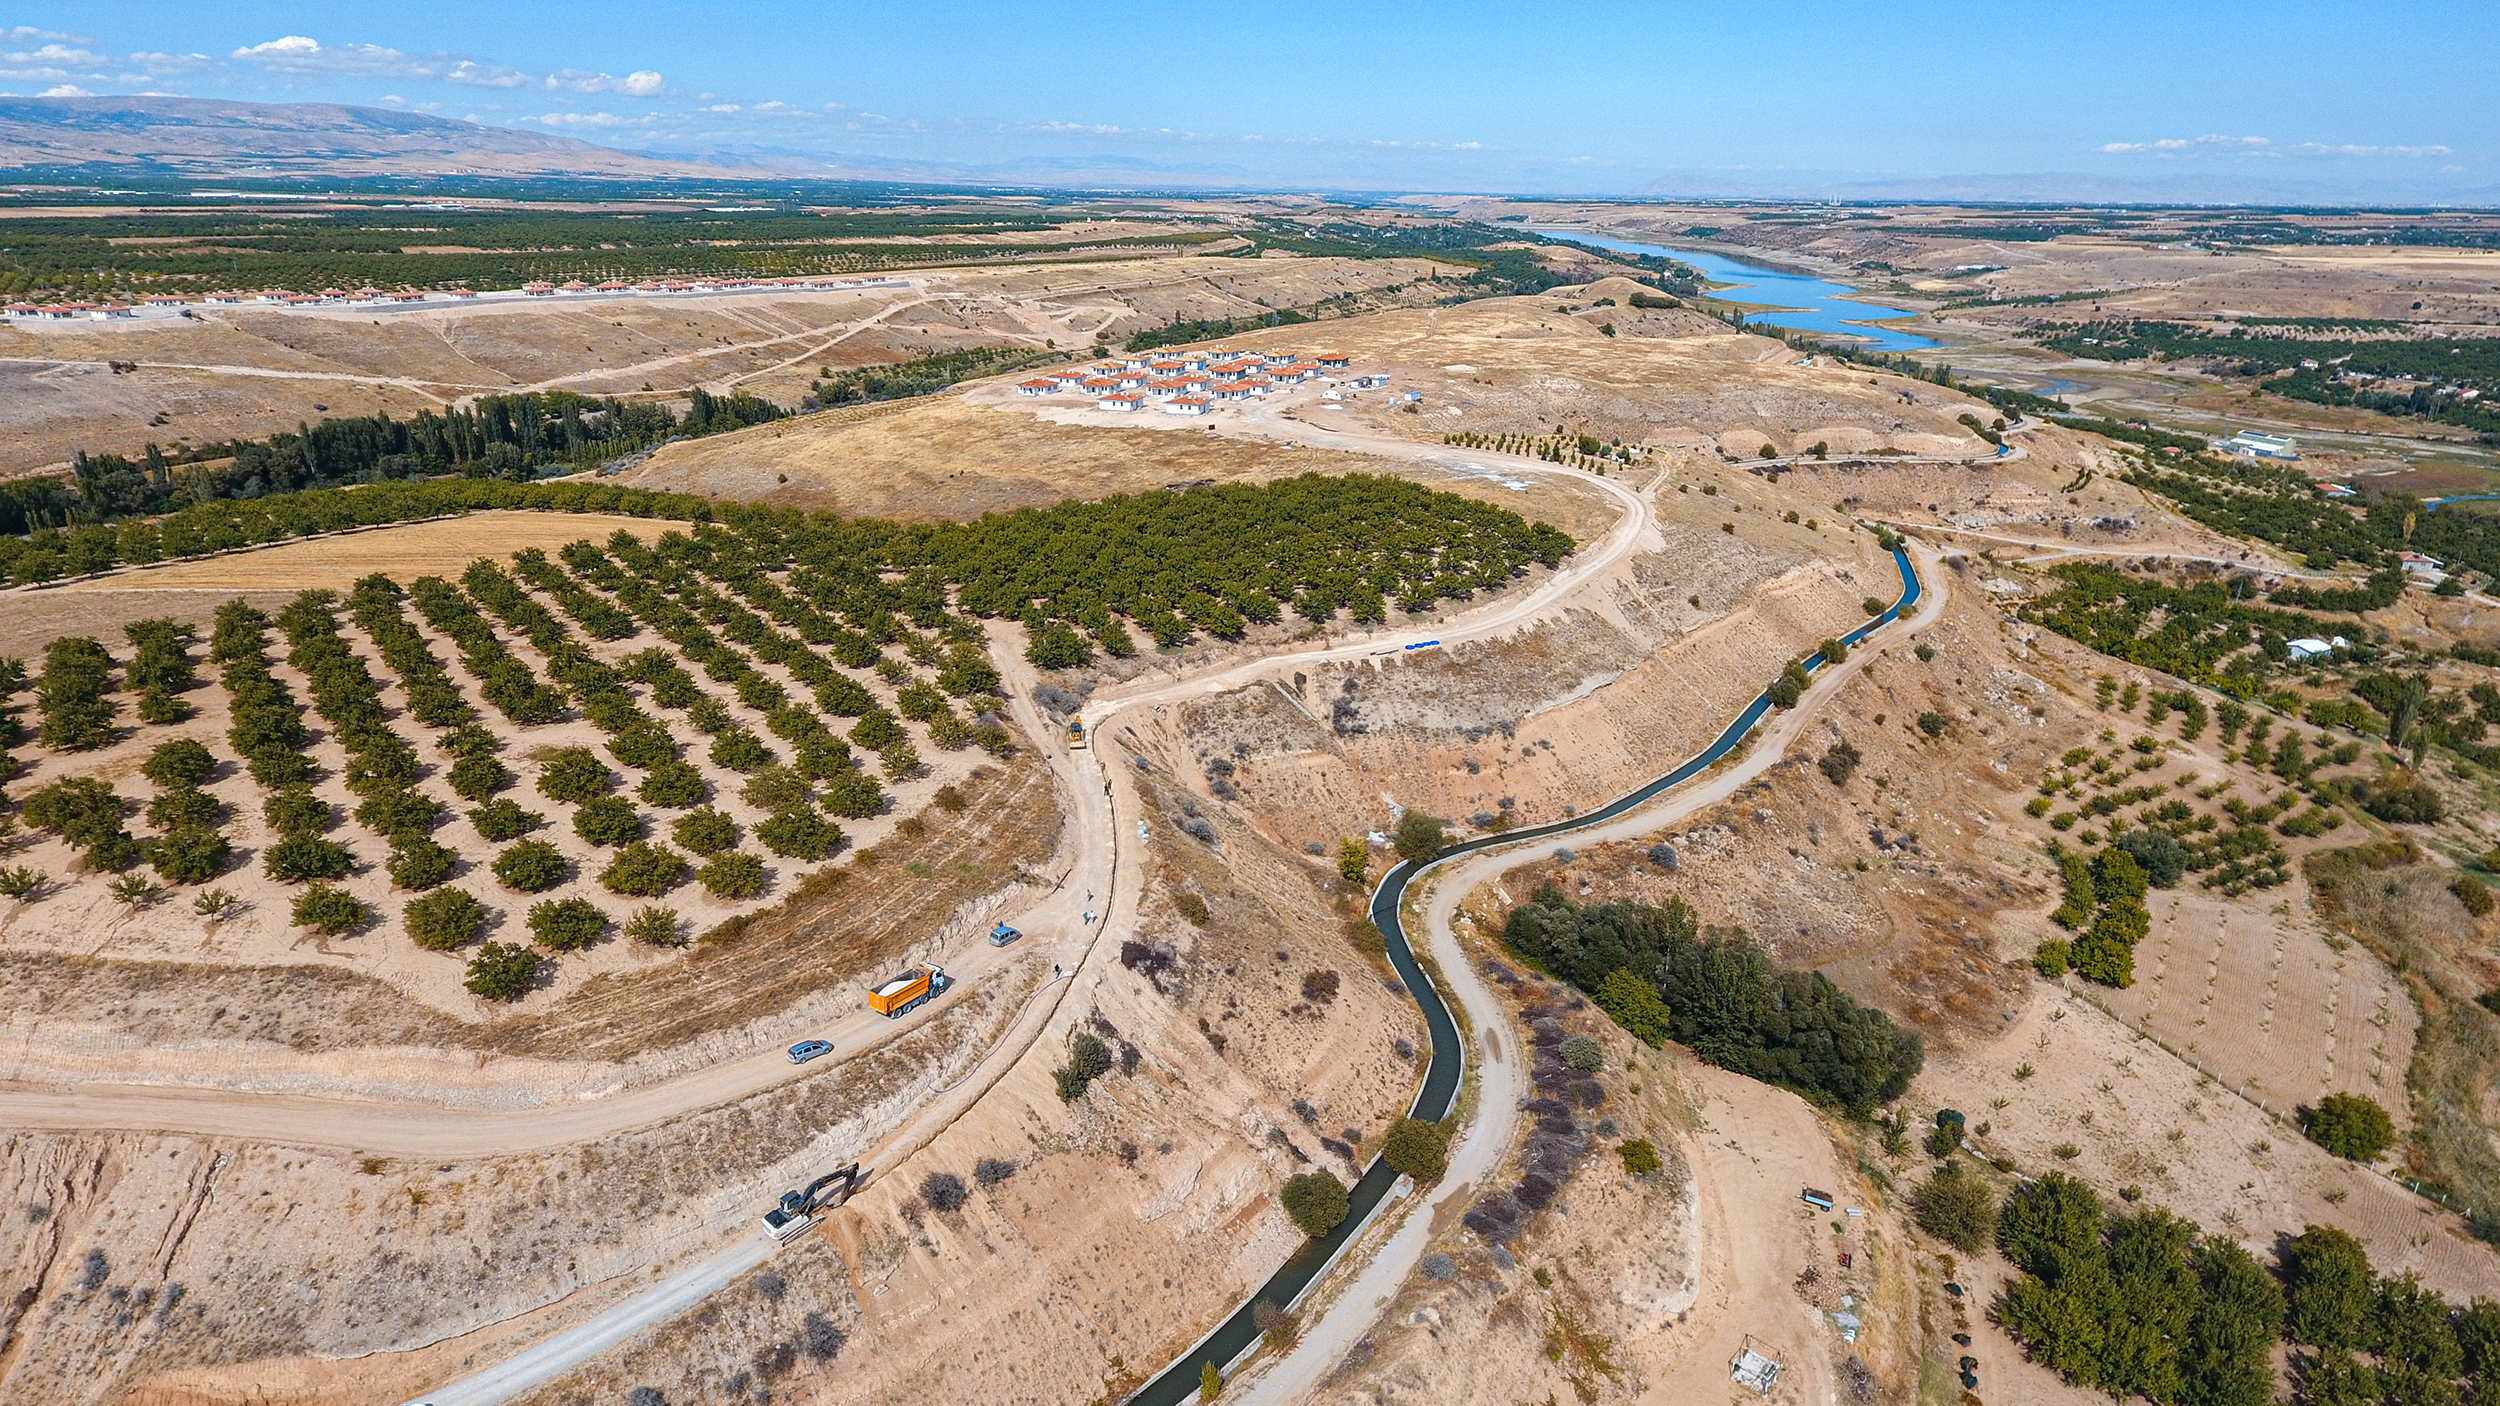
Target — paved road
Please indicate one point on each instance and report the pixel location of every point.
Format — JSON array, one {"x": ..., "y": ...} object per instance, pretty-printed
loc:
[{"x": 1481, "y": 1150}]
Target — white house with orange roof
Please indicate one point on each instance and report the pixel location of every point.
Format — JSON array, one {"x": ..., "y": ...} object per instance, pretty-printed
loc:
[
  {"x": 1099, "y": 385},
  {"x": 1122, "y": 401},
  {"x": 1334, "y": 361},
  {"x": 1039, "y": 385},
  {"x": 538, "y": 290},
  {"x": 1186, "y": 405}
]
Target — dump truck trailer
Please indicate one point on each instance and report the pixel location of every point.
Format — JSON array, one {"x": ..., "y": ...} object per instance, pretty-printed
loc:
[{"x": 904, "y": 992}]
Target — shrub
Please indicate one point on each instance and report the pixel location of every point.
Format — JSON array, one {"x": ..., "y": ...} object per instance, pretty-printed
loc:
[
  {"x": 444, "y": 919},
  {"x": 80, "y": 809},
  {"x": 504, "y": 819},
  {"x": 642, "y": 746},
  {"x": 179, "y": 763},
  {"x": 503, "y": 971},
  {"x": 608, "y": 820},
  {"x": 190, "y": 854},
  {"x": 1634, "y": 1004},
  {"x": 419, "y": 863},
  {"x": 1839, "y": 763},
  {"x": 1088, "y": 1059},
  {"x": 732, "y": 875},
  {"x": 1419, "y": 836},
  {"x": 574, "y": 774},
  {"x": 776, "y": 788},
  {"x": 300, "y": 857},
  {"x": 853, "y": 795},
  {"x": 328, "y": 911},
  {"x": 2351, "y": 1126},
  {"x": 1640, "y": 1157},
  {"x": 876, "y": 730},
  {"x": 2054, "y": 957},
  {"x": 1317, "y": 1202},
  {"x": 644, "y": 869},
  {"x": 70, "y": 695},
  {"x": 990, "y": 1171},
  {"x": 478, "y": 776},
  {"x": 1933, "y": 724},
  {"x": 673, "y": 785},
  {"x": 184, "y": 806},
  {"x": 704, "y": 832},
  {"x": 532, "y": 866},
  {"x": 2474, "y": 894},
  {"x": 295, "y": 810},
  {"x": 900, "y": 759},
  {"x": 566, "y": 924},
  {"x": 1582, "y": 1053},
  {"x": 944, "y": 1191},
  {"x": 1873, "y": 605},
  {"x": 399, "y": 813},
  {"x": 1833, "y": 651},
  {"x": 1354, "y": 859},
  {"x": 1417, "y": 1148},
  {"x": 800, "y": 834},
  {"x": 739, "y": 750},
  {"x": 2407, "y": 802},
  {"x": 1789, "y": 687},
  {"x": 1957, "y": 1207},
  {"x": 655, "y": 927},
  {"x": 1193, "y": 907},
  {"x": 2159, "y": 854}
]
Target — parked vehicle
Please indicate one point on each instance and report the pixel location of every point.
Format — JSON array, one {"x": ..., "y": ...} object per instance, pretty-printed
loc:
[
  {"x": 1001, "y": 935},
  {"x": 806, "y": 1050}
]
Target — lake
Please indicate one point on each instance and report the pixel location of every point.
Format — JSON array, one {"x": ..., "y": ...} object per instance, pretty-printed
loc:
[{"x": 1795, "y": 300}]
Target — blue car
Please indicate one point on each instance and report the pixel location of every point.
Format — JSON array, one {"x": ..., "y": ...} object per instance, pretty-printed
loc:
[{"x": 806, "y": 1050}]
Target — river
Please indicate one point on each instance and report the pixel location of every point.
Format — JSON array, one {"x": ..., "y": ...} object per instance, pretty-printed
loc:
[{"x": 1795, "y": 300}]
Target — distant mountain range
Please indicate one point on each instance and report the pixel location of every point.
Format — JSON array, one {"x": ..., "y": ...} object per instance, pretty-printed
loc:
[{"x": 207, "y": 137}]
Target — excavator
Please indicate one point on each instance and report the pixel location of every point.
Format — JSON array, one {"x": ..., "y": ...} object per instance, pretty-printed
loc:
[{"x": 798, "y": 1209}]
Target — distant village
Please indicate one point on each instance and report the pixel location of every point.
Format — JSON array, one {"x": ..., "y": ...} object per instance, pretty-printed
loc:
[
  {"x": 165, "y": 304},
  {"x": 1192, "y": 383}
]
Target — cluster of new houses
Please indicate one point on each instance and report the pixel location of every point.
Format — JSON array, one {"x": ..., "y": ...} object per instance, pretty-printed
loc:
[
  {"x": 1190, "y": 383},
  {"x": 377, "y": 298}
]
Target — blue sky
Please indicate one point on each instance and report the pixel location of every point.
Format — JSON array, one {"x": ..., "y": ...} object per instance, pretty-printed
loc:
[{"x": 2220, "y": 100}]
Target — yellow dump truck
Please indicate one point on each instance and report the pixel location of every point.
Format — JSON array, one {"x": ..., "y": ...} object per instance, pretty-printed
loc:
[{"x": 908, "y": 990}]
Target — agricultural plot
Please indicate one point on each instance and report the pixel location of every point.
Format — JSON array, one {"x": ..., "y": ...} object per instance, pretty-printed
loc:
[
  {"x": 514, "y": 769},
  {"x": 2269, "y": 1005}
]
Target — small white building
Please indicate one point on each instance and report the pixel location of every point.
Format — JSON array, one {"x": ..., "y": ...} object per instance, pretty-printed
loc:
[
  {"x": 1038, "y": 386},
  {"x": 1123, "y": 401},
  {"x": 1186, "y": 405},
  {"x": 2304, "y": 650}
]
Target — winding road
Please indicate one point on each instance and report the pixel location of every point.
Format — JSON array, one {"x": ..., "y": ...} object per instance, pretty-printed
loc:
[{"x": 1102, "y": 804}]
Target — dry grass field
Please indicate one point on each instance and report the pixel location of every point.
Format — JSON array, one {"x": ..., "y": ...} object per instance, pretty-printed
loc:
[{"x": 248, "y": 372}]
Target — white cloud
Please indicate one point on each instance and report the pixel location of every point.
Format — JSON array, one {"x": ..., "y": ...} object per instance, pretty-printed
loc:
[
  {"x": 66, "y": 90},
  {"x": 27, "y": 34},
  {"x": 582, "y": 119},
  {"x": 393, "y": 98},
  {"x": 724, "y": 107},
  {"x": 60, "y": 54},
  {"x": 296, "y": 55},
  {"x": 2265, "y": 146},
  {"x": 33, "y": 75},
  {"x": 163, "y": 64},
  {"x": 641, "y": 83}
]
